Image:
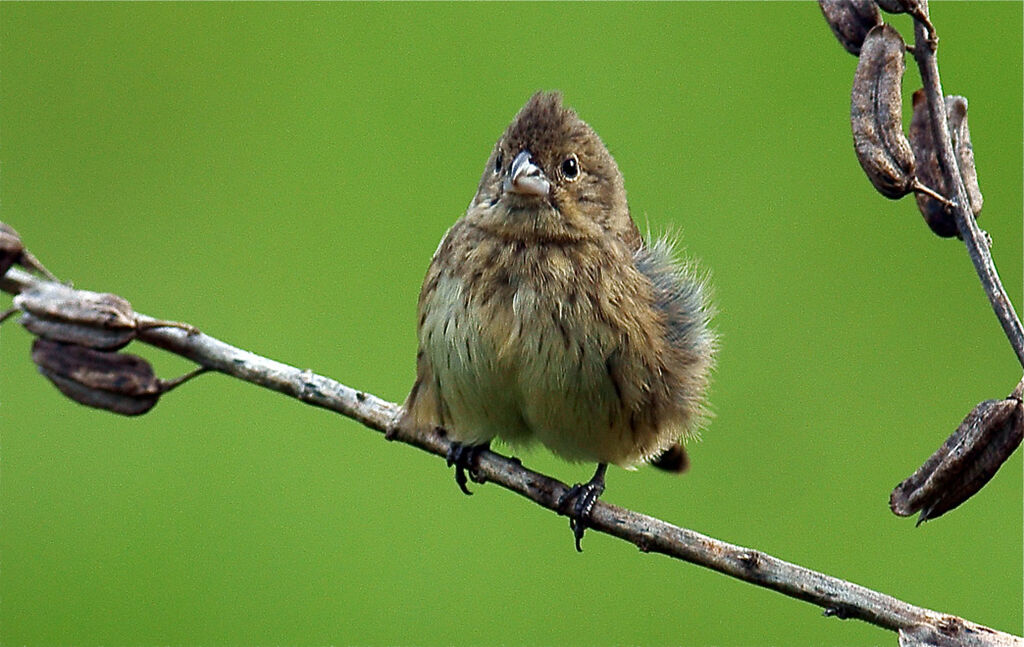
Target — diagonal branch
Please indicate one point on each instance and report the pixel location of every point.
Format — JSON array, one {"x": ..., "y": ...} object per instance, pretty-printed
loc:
[
  {"x": 838, "y": 597},
  {"x": 976, "y": 241}
]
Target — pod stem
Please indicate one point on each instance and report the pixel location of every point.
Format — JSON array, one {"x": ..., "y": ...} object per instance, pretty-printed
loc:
[
  {"x": 168, "y": 385},
  {"x": 917, "y": 187},
  {"x": 31, "y": 262}
]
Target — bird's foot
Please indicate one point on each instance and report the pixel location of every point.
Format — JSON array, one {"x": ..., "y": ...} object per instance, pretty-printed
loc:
[
  {"x": 464, "y": 458},
  {"x": 585, "y": 496}
]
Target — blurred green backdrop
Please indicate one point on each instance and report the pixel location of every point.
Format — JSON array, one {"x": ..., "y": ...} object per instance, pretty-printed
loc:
[{"x": 279, "y": 175}]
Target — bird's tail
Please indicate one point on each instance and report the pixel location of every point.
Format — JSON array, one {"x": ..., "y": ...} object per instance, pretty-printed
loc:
[{"x": 673, "y": 459}]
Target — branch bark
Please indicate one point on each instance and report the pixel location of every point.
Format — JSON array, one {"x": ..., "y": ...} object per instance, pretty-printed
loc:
[{"x": 838, "y": 597}]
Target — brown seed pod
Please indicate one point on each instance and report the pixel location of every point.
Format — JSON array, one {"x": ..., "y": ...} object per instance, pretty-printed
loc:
[
  {"x": 928, "y": 170},
  {"x": 97, "y": 320},
  {"x": 13, "y": 251},
  {"x": 936, "y": 214},
  {"x": 956, "y": 117},
  {"x": 117, "y": 382},
  {"x": 968, "y": 459},
  {"x": 61, "y": 313},
  {"x": 126, "y": 405},
  {"x": 850, "y": 20},
  {"x": 915, "y": 8},
  {"x": 10, "y": 248},
  {"x": 876, "y": 105},
  {"x": 73, "y": 333},
  {"x": 898, "y": 6},
  {"x": 61, "y": 303}
]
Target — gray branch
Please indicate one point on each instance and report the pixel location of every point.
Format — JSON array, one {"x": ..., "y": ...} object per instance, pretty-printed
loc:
[
  {"x": 839, "y": 598},
  {"x": 976, "y": 241}
]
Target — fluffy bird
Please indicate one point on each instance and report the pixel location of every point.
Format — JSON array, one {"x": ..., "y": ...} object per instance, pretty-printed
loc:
[{"x": 545, "y": 316}]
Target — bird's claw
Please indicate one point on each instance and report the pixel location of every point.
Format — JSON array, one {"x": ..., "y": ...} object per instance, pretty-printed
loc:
[
  {"x": 585, "y": 496},
  {"x": 464, "y": 457}
]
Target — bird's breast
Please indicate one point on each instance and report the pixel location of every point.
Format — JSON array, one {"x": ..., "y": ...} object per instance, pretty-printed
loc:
[{"x": 521, "y": 340}]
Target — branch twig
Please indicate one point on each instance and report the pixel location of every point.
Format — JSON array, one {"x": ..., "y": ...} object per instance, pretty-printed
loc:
[
  {"x": 975, "y": 239},
  {"x": 838, "y": 597}
]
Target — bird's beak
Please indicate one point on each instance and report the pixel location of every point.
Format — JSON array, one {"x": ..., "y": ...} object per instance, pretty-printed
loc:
[{"x": 525, "y": 177}]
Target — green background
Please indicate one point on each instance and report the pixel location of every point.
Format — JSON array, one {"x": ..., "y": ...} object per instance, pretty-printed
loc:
[{"x": 279, "y": 176}]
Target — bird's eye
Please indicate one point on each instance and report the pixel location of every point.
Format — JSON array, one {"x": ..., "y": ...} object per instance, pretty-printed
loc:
[
  {"x": 497, "y": 163},
  {"x": 570, "y": 168}
]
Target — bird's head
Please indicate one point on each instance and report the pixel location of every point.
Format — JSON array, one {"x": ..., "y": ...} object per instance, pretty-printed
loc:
[{"x": 551, "y": 176}]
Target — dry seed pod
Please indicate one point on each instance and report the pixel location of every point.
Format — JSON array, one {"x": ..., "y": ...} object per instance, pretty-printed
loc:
[
  {"x": 1006, "y": 430},
  {"x": 956, "y": 117},
  {"x": 942, "y": 467},
  {"x": 850, "y": 20},
  {"x": 61, "y": 313},
  {"x": 915, "y": 8},
  {"x": 126, "y": 405},
  {"x": 13, "y": 251},
  {"x": 929, "y": 172},
  {"x": 876, "y": 119},
  {"x": 72, "y": 333},
  {"x": 116, "y": 382},
  {"x": 93, "y": 319},
  {"x": 10, "y": 248},
  {"x": 899, "y": 6},
  {"x": 968, "y": 459},
  {"x": 58, "y": 302}
]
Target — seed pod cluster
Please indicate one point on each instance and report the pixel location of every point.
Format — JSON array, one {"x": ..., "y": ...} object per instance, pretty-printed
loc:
[
  {"x": 77, "y": 333},
  {"x": 929, "y": 172},
  {"x": 876, "y": 105},
  {"x": 968, "y": 459},
  {"x": 850, "y": 21},
  {"x": 117, "y": 382}
]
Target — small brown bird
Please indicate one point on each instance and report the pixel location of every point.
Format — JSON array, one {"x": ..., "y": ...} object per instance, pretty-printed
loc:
[{"x": 545, "y": 316}]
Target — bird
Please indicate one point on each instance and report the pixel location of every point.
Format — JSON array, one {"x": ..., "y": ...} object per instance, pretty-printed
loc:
[{"x": 545, "y": 316}]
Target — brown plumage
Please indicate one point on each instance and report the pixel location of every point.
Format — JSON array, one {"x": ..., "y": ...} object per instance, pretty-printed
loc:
[{"x": 545, "y": 316}]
